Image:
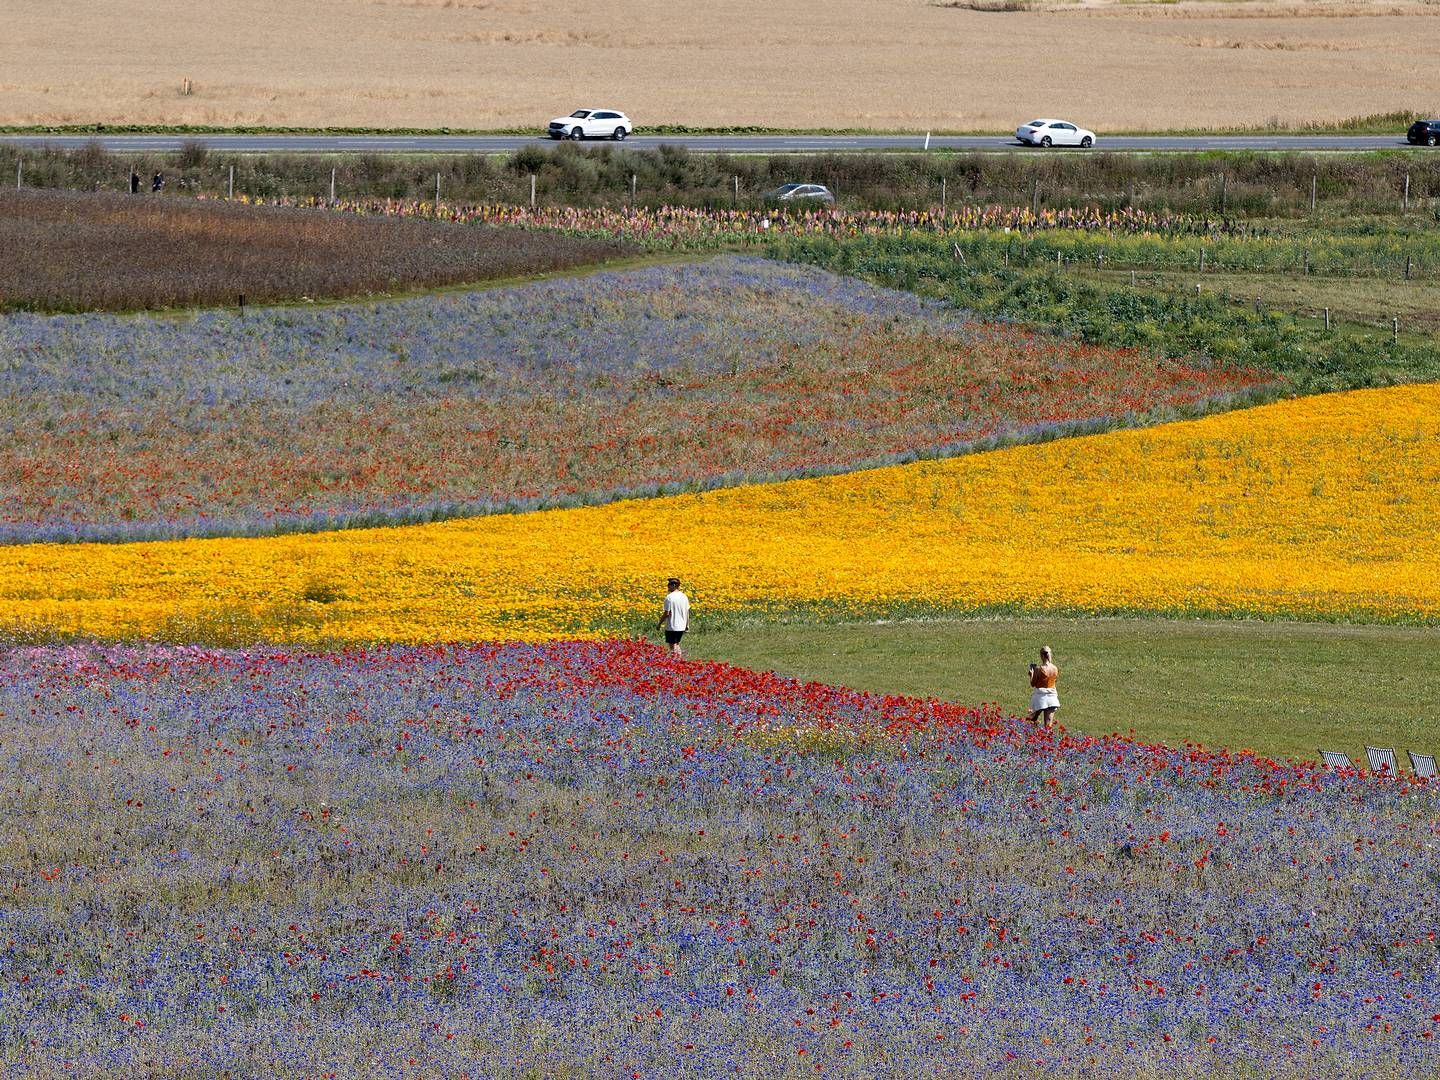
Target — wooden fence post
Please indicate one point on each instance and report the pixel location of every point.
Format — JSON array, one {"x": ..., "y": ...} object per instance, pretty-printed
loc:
[
  {"x": 1407, "y": 191},
  {"x": 19, "y": 172},
  {"x": 942, "y": 195},
  {"x": 332, "y": 183},
  {"x": 1314, "y": 179},
  {"x": 532, "y": 191},
  {"x": 230, "y": 192}
]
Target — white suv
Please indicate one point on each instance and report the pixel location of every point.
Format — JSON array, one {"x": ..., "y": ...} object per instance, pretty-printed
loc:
[{"x": 591, "y": 124}]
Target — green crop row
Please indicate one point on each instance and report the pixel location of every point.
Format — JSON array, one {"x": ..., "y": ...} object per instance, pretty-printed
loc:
[
  {"x": 985, "y": 277},
  {"x": 1379, "y": 254}
]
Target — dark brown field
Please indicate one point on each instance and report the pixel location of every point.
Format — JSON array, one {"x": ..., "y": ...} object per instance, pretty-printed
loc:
[{"x": 67, "y": 251}]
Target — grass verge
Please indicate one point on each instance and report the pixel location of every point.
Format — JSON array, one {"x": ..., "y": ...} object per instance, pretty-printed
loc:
[
  {"x": 1366, "y": 303},
  {"x": 1278, "y": 688}
]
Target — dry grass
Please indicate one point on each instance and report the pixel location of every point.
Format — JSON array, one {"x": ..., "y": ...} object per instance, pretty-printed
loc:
[
  {"x": 68, "y": 251},
  {"x": 1364, "y": 301},
  {"x": 916, "y": 64}
]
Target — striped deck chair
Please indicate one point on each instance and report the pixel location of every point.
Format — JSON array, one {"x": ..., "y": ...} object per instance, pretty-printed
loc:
[
  {"x": 1382, "y": 760},
  {"x": 1423, "y": 764},
  {"x": 1334, "y": 759}
]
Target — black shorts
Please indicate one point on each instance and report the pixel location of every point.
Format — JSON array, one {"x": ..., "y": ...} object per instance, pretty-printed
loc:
[{"x": 672, "y": 637}]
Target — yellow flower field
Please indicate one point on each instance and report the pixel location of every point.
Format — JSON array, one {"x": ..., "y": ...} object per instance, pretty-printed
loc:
[{"x": 1318, "y": 507}]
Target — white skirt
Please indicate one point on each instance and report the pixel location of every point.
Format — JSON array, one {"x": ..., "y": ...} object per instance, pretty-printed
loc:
[{"x": 1044, "y": 697}]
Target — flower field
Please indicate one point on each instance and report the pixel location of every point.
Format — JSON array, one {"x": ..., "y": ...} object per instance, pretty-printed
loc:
[
  {"x": 551, "y": 393},
  {"x": 1122, "y": 237},
  {"x": 1320, "y": 507},
  {"x": 400, "y": 798},
  {"x": 687, "y": 227},
  {"x": 85, "y": 251},
  {"x": 589, "y": 859}
]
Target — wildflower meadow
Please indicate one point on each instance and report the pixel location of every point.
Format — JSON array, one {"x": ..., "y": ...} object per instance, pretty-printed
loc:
[
  {"x": 331, "y": 746},
  {"x": 1307, "y": 508},
  {"x": 690, "y": 227},
  {"x": 559, "y": 392},
  {"x": 91, "y": 250},
  {"x": 591, "y": 859}
]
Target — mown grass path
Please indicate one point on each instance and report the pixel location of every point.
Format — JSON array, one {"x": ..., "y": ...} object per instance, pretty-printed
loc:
[{"x": 1283, "y": 689}]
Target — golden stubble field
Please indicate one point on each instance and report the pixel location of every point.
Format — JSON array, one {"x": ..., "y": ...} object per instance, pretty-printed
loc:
[{"x": 912, "y": 64}]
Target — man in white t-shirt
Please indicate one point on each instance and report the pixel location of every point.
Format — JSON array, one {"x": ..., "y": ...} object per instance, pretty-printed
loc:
[{"x": 676, "y": 619}]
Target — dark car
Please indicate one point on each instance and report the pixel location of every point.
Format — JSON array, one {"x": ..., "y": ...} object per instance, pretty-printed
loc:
[{"x": 1423, "y": 131}]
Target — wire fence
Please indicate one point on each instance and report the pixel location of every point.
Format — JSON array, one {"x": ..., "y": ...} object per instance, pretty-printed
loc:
[
  {"x": 1019, "y": 236},
  {"x": 1240, "y": 185}
]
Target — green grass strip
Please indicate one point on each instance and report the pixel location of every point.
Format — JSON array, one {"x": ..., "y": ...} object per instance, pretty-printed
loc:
[{"x": 1279, "y": 688}]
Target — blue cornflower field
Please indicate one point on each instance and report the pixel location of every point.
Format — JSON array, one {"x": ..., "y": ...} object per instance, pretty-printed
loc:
[{"x": 590, "y": 859}]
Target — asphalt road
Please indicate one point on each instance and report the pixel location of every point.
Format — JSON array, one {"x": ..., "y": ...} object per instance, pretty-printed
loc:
[{"x": 735, "y": 144}]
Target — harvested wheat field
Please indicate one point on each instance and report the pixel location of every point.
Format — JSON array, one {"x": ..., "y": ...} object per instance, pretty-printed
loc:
[{"x": 908, "y": 64}]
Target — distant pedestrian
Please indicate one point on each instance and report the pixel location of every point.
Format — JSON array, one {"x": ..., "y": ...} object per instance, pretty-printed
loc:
[
  {"x": 157, "y": 182},
  {"x": 1044, "y": 699},
  {"x": 134, "y": 182},
  {"x": 676, "y": 619}
]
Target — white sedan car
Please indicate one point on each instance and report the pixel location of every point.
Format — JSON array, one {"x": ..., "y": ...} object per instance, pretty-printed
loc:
[
  {"x": 1054, "y": 133},
  {"x": 806, "y": 193},
  {"x": 591, "y": 124}
]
